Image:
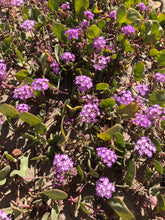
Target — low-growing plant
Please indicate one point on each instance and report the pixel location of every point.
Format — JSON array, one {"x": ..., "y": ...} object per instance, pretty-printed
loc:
[{"x": 82, "y": 110}]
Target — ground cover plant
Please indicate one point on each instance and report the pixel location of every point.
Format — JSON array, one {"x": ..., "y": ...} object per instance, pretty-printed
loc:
[{"x": 82, "y": 110}]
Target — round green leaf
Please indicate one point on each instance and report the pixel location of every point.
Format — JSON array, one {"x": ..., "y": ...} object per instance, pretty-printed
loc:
[
  {"x": 138, "y": 71},
  {"x": 108, "y": 134},
  {"x": 94, "y": 31},
  {"x": 107, "y": 103},
  {"x": 158, "y": 97},
  {"x": 102, "y": 86},
  {"x": 121, "y": 14}
]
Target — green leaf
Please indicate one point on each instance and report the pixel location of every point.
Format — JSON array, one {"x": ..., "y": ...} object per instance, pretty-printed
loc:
[
  {"x": 94, "y": 31},
  {"x": 29, "y": 118},
  {"x": 3, "y": 174},
  {"x": 153, "y": 52},
  {"x": 24, "y": 162},
  {"x": 9, "y": 157},
  {"x": 161, "y": 202},
  {"x": 139, "y": 71},
  {"x": 102, "y": 86},
  {"x": 20, "y": 173},
  {"x": 121, "y": 14},
  {"x": 163, "y": 125},
  {"x": 81, "y": 4},
  {"x": 107, "y": 103},
  {"x": 149, "y": 173},
  {"x": 55, "y": 212},
  {"x": 161, "y": 59},
  {"x": 46, "y": 216},
  {"x": 53, "y": 4},
  {"x": 101, "y": 24},
  {"x": 108, "y": 134},
  {"x": 63, "y": 136},
  {"x": 59, "y": 30},
  {"x": 44, "y": 63},
  {"x": 131, "y": 172},
  {"x": 80, "y": 172},
  {"x": 95, "y": 9},
  {"x": 9, "y": 111},
  {"x": 75, "y": 108},
  {"x": 39, "y": 157},
  {"x": 155, "y": 27},
  {"x": 132, "y": 15},
  {"x": 91, "y": 170},
  {"x": 7, "y": 41},
  {"x": 41, "y": 128},
  {"x": 158, "y": 167},
  {"x": 161, "y": 17},
  {"x": 158, "y": 97},
  {"x": 83, "y": 207},
  {"x": 19, "y": 55},
  {"x": 58, "y": 51},
  {"x": 55, "y": 194},
  {"x": 136, "y": 24},
  {"x": 121, "y": 209},
  {"x": 127, "y": 111},
  {"x": 21, "y": 75},
  {"x": 119, "y": 140}
]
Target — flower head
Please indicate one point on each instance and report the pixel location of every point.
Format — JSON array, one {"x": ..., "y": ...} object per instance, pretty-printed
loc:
[
  {"x": 141, "y": 6},
  {"x": 62, "y": 163},
  {"x": 4, "y": 216},
  {"x": 128, "y": 30},
  {"x": 142, "y": 89},
  {"x": 28, "y": 25},
  {"x": 159, "y": 77},
  {"x": 88, "y": 15},
  {"x": 99, "y": 43},
  {"x": 84, "y": 83},
  {"x": 40, "y": 84},
  {"x": 17, "y": 3},
  {"x": 113, "y": 14},
  {"x": 142, "y": 120},
  {"x": 89, "y": 112},
  {"x": 68, "y": 57},
  {"x": 23, "y": 92},
  {"x": 154, "y": 111},
  {"x": 84, "y": 24},
  {"x": 109, "y": 157},
  {"x": 55, "y": 66},
  {"x": 124, "y": 97},
  {"x": 72, "y": 33},
  {"x": 100, "y": 62},
  {"x": 23, "y": 108},
  {"x": 2, "y": 69},
  {"x": 144, "y": 146},
  {"x": 65, "y": 6},
  {"x": 104, "y": 188}
]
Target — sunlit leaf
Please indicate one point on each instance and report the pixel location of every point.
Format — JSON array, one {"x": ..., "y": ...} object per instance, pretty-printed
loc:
[
  {"x": 102, "y": 86},
  {"x": 131, "y": 172},
  {"x": 94, "y": 31},
  {"x": 55, "y": 212},
  {"x": 29, "y": 118},
  {"x": 107, "y": 103},
  {"x": 139, "y": 71},
  {"x": 55, "y": 194},
  {"x": 121, "y": 209},
  {"x": 81, "y": 4},
  {"x": 3, "y": 174},
  {"x": 21, "y": 75},
  {"x": 9, "y": 111},
  {"x": 121, "y": 14},
  {"x": 59, "y": 30},
  {"x": 127, "y": 111},
  {"x": 158, "y": 167},
  {"x": 158, "y": 97},
  {"x": 53, "y": 4},
  {"x": 108, "y": 134}
]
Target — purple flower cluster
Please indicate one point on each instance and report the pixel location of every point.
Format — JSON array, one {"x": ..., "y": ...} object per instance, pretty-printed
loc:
[
  {"x": 159, "y": 77},
  {"x": 100, "y": 62},
  {"x": 128, "y": 30},
  {"x": 28, "y": 25},
  {"x": 65, "y": 6},
  {"x": 55, "y": 66},
  {"x": 141, "y": 6},
  {"x": 104, "y": 188},
  {"x": 142, "y": 120},
  {"x": 4, "y": 216},
  {"x": 84, "y": 83},
  {"x": 145, "y": 147},
  {"x": 40, "y": 84},
  {"x": 22, "y": 108},
  {"x": 124, "y": 97},
  {"x": 109, "y": 157},
  {"x": 142, "y": 89},
  {"x": 84, "y": 24},
  {"x": 72, "y": 33},
  {"x": 89, "y": 112},
  {"x": 2, "y": 69},
  {"x": 61, "y": 164},
  {"x": 23, "y": 92},
  {"x": 17, "y": 3},
  {"x": 113, "y": 14},
  {"x": 154, "y": 111},
  {"x": 88, "y": 15},
  {"x": 99, "y": 43},
  {"x": 68, "y": 57}
]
